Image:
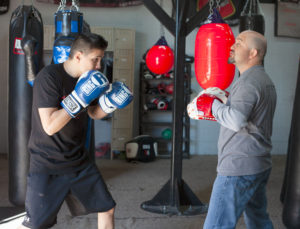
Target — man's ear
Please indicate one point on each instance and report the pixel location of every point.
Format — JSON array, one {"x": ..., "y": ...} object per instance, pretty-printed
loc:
[
  {"x": 78, "y": 56},
  {"x": 253, "y": 53}
]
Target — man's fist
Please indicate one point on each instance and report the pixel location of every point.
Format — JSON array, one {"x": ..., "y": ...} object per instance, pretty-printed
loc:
[
  {"x": 201, "y": 106},
  {"x": 119, "y": 96},
  {"x": 89, "y": 87}
]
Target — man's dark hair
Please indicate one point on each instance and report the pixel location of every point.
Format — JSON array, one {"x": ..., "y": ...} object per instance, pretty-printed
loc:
[{"x": 85, "y": 42}]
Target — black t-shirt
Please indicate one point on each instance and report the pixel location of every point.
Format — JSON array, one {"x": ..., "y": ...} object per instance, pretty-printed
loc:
[{"x": 64, "y": 151}]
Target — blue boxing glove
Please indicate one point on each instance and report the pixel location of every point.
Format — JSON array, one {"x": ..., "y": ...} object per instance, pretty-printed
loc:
[
  {"x": 119, "y": 96},
  {"x": 89, "y": 87}
]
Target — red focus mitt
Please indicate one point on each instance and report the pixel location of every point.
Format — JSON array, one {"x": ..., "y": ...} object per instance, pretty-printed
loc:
[{"x": 201, "y": 106}]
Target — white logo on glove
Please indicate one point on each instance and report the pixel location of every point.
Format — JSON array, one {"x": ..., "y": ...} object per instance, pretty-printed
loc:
[
  {"x": 90, "y": 85},
  {"x": 120, "y": 97}
]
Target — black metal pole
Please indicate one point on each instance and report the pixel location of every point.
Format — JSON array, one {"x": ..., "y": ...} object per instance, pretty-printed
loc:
[
  {"x": 178, "y": 101},
  {"x": 176, "y": 197}
]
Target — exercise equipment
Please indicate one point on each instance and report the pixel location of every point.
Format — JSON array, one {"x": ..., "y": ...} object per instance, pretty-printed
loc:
[
  {"x": 89, "y": 87},
  {"x": 157, "y": 103},
  {"x": 169, "y": 88},
  {"x": 151, "y": 90},
  {"x": 29, "y": 44},
  {"x": 26, "y": 27},
  {"x": 200, "y": 107},
  {"x": 160, "y": 58},
  {"x": 68, "y": 24},
  {"x": 176, "y": 197},
  {"x": 252, "y": 17},
  {"x": 290, "y": 192},
  {"x": 117, "y": 97},
  {"x": 4, "y": 6},
  {"x": 161, "y": 103},
  {"x": 141, "y": 148},
  {"x": 150, "y": 106},
  {"x": 212, "y": 50},
  {"x": 161, "y": 88},
  {"x": 230, "y": 10},
  {"x": 167, "y": 133}
]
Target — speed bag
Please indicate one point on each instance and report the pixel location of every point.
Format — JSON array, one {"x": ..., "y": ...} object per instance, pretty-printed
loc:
[
  {"x": 141, "y": 148},
  {"x": 25, "y": 21}
]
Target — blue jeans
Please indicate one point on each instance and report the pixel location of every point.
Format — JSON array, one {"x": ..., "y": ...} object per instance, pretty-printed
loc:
[{"x": 233, "y": 195}]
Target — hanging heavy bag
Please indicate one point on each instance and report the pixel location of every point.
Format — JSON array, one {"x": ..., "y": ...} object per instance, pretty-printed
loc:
[
  {"x": 291, "y": 186},
  {"x": 212, "y": 49},
  {"x": 252, "y": 17},
  {"x": 25, "y": 21},
  {"x": 68, "y": 24},
  {"x": 4, "y": 6}
]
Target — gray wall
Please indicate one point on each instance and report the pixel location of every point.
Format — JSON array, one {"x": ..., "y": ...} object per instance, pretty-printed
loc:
[{"x": 281, "y": 63}]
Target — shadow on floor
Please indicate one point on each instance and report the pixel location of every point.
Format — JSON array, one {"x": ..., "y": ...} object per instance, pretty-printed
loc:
[{"x": 6, "y": 212}]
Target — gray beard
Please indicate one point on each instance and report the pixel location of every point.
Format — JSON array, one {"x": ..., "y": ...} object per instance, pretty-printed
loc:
[{"x": 231, "y": 60}]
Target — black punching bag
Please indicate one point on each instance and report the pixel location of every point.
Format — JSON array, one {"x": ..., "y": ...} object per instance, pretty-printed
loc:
[
  {"x": 68, "y": 24},
  {"x": 291, "y": 186},
  {"x": 26, "y": 22},
  {"x": 251, "y": 17}
]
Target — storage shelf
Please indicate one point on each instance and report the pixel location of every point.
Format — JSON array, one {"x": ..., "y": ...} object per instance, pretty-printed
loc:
[
  {"x": 158, "y": 123},
  {"x": 151, "y": 122},
  {"x": 157, "y": 95},
  {"x": 157, "y": 79},
  {"x": 157, "y": 111}
]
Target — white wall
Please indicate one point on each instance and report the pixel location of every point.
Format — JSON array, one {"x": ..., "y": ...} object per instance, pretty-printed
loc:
[{"x": 281, "y": 63}]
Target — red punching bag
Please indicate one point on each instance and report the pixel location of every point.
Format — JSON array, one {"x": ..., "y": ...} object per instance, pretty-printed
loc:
[
  {"x": 160, "y": 58},
  {"x": 212, "y": 49}
]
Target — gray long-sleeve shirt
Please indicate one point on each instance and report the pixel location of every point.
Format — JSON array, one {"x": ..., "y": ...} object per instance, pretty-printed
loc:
[{"x": 246, "y": 125}]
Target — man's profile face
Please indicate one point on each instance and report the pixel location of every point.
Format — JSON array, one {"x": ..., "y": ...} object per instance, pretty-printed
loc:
[
  {"x": 239, "y": 51},
  {"x": 91, "y": 60}
]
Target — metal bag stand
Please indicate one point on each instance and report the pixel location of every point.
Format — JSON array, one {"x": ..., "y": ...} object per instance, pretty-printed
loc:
[{"x": 175, "y": 197}]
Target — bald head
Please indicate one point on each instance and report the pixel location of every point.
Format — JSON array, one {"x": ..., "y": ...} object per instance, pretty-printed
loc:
[{"x": 255, "y": 40}]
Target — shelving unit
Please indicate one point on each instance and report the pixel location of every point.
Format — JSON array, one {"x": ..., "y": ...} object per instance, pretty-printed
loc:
[{"x": 155, "y": 112}]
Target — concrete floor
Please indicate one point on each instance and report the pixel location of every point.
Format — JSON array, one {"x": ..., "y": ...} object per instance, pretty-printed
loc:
[{"x": 133, "y": 183}]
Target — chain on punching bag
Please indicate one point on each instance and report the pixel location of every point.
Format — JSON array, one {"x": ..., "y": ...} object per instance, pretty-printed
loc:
[
  {"x": 25, "y": 31},
  {"x": 252, "y": 17}
]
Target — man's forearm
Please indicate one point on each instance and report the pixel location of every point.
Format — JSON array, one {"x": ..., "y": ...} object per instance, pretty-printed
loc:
[
  {"x": 228, "y": 117},
  {"x": 95, "y": 112},
  {"x": 53, "y": 120}
]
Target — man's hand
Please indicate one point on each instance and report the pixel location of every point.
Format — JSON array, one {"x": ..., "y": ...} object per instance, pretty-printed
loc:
[
  {"x": 118, "y": 97},
  {"x": 89, "y": 86},
  {"x": 201, "y": 106}
]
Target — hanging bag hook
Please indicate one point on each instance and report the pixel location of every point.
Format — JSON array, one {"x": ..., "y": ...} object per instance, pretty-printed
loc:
[{"x": 74, "y": 5}]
